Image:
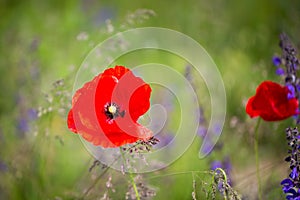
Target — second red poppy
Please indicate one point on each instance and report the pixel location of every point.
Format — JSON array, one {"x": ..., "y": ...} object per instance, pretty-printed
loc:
[{"x": 271, "y": 102}]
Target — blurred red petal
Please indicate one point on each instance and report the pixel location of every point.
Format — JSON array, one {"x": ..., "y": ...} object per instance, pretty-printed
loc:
[{"x": 71, "y": 123}]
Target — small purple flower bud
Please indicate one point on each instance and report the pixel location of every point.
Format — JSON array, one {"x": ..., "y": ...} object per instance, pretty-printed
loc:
[
  {"x": 23, "y": 125},
  {"x": 227, "y": 165},
  {"x": 287, "y": 182},
  {"x": 201, "y": 132},
  {"x": 215, "y": 164},
  {"x": 294, "y": 66},
  {"x": 207, "y": 147},
  {"x": 32, "y": 114},
  {"x": 276, "y": 61},
  {"x": 220, "y": 186},
  {"x": 292, "y": 92},
  {"x": 294, "y": 173},
  {"x": 280, "y": 71}
]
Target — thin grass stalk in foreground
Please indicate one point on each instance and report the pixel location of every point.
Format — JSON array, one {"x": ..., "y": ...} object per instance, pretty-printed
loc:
[
  {"x": 257, "y": 159},
  {"x": 130, "y": 176},
  {"x": 225, "y": 179},
  {"x": 98, "y": 179}
]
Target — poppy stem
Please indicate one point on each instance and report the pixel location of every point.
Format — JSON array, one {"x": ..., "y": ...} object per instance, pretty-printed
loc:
[
  {"x": 257, "y": 159},
  {"x": 130, "y": 176}
]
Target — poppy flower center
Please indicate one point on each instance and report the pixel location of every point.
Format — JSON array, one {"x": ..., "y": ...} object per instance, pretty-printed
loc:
[{"x": 112, "y": 110}]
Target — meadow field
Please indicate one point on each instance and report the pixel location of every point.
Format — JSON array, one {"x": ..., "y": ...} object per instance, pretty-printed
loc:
[{"x": 47, "y": 47}]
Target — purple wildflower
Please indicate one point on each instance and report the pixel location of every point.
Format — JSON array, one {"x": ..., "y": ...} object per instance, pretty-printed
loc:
[
  {"x": 24, "y": 120},
  {"x": 222, "y": 183},
  {"x": 294, "y": 174},
  {"x": 215, "y": 164},
  {"x": 289, "y": 60},
  {"x": 292, "y": 91},
  {"x": 207, "y": 146},
  {"x": 276, "y": 61},
  {"x": 225, "y": 164},
  {"x": 287, "y": 184},
  {"x": 32, "y": 114},
  {"x": 23, "y": 125},
  {"x": 201, "y": 132},
  {"x": 291, "y": 185},
  {"x": 280, "y": 71}
]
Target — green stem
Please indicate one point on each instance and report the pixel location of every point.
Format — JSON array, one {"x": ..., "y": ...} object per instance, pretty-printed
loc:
[
  {"x": 257, "y": 159},
  {"x": 223, "y": 172},
  {"x": 131, "y": 177}
]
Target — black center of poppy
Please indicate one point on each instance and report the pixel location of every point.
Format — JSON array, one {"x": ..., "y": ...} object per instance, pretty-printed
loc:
[{"x": 112, "y": 110}]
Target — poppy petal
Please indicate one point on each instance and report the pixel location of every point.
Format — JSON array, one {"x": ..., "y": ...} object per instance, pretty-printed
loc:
[{"x": 71, "y": 123}]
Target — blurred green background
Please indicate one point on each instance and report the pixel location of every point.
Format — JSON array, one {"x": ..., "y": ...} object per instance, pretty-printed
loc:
[{"x": 46, "y": 41}]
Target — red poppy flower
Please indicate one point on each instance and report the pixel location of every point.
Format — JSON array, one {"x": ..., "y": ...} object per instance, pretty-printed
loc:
[
  {"x": 105, "y": 110},
  {"x": 271, "y": 102}
]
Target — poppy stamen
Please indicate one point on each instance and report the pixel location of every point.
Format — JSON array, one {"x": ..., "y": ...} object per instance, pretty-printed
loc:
[{"x": 112, "y": 110}]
